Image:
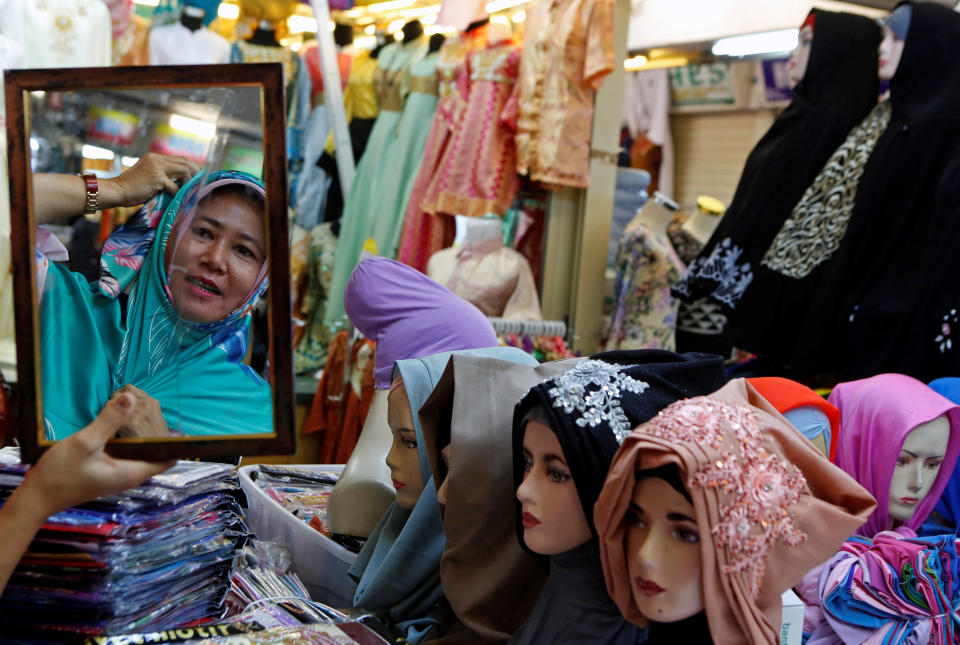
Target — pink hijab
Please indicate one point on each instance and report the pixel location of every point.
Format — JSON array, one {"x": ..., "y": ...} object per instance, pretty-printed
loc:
[{"x": 876, "y": 415}]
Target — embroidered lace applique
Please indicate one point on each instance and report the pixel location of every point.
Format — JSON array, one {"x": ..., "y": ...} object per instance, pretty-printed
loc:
[
  {"x": 943, "y": 340},
  {"x": 722, "y": 267},
  {"x": 756, "y": 488},
  {"x": 593, "y": 389}
]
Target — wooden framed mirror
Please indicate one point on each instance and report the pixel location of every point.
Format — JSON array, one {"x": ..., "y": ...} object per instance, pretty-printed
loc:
[{"x": 211, "y": 345}]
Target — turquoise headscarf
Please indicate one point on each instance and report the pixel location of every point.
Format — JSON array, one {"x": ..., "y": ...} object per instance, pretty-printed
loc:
[
  {"x": 194, "y": 370},
  {"x": 398, "y": 569}
]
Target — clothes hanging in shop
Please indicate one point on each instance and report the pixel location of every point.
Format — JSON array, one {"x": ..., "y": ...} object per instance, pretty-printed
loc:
[
  {"x": 296, "y": 83},
  {"x": 340, "y": 407},
  {"x": 375, "y": 169},
  {"x": 130, "y": 33},
  {"x": 60, "y": 33},
  {"x": 311, "y": 352},
  {"x": 854, "y": 290},
  {"x": 406, "y": 153},
  {"x": 645, "y": 314},
  {"x": 361, "y": 109},
  {"x": 567, "y": 52},
  {"x": 424, "y": 233},
  {"x": 478, "y": 175},
  {"x": 495, "y": 278},
  {"x": 314, "y": 183},
  {"x": 837, "y": 91},
  {"x": 175, "y": 44},
  {"x": 646, "y": 114}
]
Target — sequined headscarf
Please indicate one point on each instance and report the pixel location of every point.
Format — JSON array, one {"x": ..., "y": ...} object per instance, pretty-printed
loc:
[{"x": 769, "y": 507}]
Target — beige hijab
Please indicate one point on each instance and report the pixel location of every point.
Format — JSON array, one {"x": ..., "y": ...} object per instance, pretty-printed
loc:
[
  {"x": 769, "y": 505},
  {"x": 489, "y": 581}
]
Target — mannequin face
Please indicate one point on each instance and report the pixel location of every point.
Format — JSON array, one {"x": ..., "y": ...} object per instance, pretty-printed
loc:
[
  {"x": 403, "y": 458},
  {"x": 553, "y": 520},
  {"x": 917, "y": 467},
  {"x": 800, "y": 56},
  {"x": 442, "y": 490},
  {"x": 891, "y": 49},
  {"x": 663, "y": 552}
]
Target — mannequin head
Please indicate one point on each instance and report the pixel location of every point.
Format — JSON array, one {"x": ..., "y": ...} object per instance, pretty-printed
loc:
[
  {"x": 918, "y": 465},
  {"x": 800, "y": 56},
  {"x": 553, "y": 518},
  {"x": 894, "y": 38},
  {"x": 404, "y": 457},
  {"x": 663, "y": 547}
]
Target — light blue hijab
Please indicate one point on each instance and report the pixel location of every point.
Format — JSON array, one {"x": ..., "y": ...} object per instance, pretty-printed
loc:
[{"x": 398, "y": 569}]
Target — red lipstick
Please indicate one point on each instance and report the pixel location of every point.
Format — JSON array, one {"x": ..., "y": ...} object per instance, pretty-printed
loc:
[
  {"x": 647, "y": 587},
  {"x": 529, "y": 521},
  {"x": 398, "y": 485},
  {"x": 909, "y": 501}
]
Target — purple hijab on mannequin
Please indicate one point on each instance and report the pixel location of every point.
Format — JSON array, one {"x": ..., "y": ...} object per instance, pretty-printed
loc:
[{"x": 409, "y": 315}]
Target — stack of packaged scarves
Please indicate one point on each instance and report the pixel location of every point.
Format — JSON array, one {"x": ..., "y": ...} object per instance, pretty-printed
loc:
[
  {"x": 892, "y": 590},
  {"x": 153, "y": 557}
]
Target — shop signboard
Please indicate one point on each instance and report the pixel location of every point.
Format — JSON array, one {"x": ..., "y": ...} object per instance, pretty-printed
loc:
[
  {"x": 112, "y": 126},
  {"x": 776, "y": 80},
  {"x": 170, "y": 141},
  {"x": 702, "y": 84}
]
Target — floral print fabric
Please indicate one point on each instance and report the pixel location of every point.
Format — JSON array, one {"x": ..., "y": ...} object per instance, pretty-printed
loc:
[{"x": 646, "y": 314}]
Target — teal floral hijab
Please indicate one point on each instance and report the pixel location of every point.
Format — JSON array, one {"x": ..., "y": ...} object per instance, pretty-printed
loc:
[{"x": 91, "y": 347}]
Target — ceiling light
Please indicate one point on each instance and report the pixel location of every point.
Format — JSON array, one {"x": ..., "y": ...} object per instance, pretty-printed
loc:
[
  {"x": 203, "y": 129},
  {"x": 519, "y": 17},
  {"x": 635, "y": 63},
  {"x": 390, "y": 5},
  {"x": 300, "y": 24},
  {"x": 502, "y": 20},
  {"x": 228, "y": 11},
  {"x": 418, "y": 12},
  {"x": 429, "y": 20},
  {"x": 766, "y": 42},
  {"x": 396, "y": 26},
  {"x": 370, "y": 30},
  {"x": 96, "y": 152}
]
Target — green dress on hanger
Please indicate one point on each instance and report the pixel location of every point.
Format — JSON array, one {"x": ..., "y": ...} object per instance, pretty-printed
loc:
[
  {"x": 407, "y": 152},
  {"x": 368, "y": 207}
]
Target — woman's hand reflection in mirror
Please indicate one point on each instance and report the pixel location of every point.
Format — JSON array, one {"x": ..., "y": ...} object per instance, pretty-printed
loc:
[
  {"x": 57, "y": 197},
  {"x": 146, "y": 420},
  {"x": 74, "y": 471}
]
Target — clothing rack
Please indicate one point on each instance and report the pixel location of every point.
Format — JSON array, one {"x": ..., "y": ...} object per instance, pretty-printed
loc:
[{"x": 529, "y": 327}]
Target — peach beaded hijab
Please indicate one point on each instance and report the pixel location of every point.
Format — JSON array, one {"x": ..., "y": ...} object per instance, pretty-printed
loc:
[{"x": 769, "y": 507}]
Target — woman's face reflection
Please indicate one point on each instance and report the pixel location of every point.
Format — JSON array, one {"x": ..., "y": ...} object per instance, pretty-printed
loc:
[
  {"x": 216, "y": 264},
  {"x": 663, "y": 552}
]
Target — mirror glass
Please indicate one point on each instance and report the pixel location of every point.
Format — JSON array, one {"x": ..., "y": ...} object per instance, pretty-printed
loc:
[{"x": 171, "y": 296}]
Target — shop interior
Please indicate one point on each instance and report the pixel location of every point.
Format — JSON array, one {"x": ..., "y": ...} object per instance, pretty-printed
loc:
[{"x": 690, "y": 263}]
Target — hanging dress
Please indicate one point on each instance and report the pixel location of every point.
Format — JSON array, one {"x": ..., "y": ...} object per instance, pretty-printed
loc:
[
  {"x": 478, "y": 177},
  {"x": 424, "y": 233},
  {"x": 407, "y": 153},
  {"x": 365, "y": 206}
]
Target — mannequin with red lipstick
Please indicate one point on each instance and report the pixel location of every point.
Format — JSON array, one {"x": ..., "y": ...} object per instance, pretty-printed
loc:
[
  {"x": 712, "y": 510},
  {"x": 398, "y": 569},
  {"x": 566, "y": 431}
]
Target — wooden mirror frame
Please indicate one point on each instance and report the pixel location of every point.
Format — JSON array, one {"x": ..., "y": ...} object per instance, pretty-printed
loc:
[{"x": 27, "y": 405}]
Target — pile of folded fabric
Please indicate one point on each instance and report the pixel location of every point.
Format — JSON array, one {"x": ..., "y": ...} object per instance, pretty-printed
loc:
[
  {"x": 153, "y": 557},
  {"x": 892, "y": 590}
]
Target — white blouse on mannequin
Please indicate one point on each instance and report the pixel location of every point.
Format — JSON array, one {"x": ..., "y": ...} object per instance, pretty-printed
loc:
[
  {"x": 174, "y": 44},
  {"x": 62, "y": 33}
]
